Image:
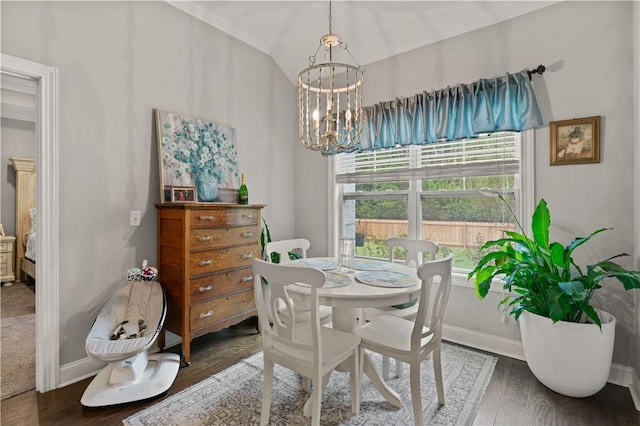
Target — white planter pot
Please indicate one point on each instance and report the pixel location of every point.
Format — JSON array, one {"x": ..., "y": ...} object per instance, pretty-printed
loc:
[{"x": 572, "y": 359}]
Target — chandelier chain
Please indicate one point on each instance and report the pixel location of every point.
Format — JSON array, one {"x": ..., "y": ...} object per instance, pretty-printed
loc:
[{"x": 330, "y": 16}]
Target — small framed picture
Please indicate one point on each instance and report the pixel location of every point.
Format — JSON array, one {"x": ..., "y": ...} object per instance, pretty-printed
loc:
[
  {"x": 183, "y": 194},
  {"x": 575, "y": 141}
]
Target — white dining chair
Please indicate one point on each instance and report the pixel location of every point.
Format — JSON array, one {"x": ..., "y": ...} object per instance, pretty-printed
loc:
[
  {"x": 283, "y": 248},
  {"x": 412, "y": 341},
  {"x": 306, "y": 347},
  {"x": 416, "y": 251}
]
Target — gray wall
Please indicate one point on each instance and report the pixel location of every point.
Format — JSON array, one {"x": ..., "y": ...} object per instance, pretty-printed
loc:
[
  {"x": 589, "y": 73},
  {"x": 117, "y": 61},
  {"x": 18, "y": 139}
]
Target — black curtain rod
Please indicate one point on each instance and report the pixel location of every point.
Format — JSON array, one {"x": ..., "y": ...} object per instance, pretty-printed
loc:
[{"x": 540, "y": 69}]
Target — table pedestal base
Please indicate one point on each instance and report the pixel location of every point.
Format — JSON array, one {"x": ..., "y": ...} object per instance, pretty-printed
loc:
[{"x": 346, "y": 319}]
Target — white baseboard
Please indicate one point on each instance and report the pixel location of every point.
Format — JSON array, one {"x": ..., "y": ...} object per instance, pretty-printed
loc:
[
  {"x": 634, "y": 389},
  {"x": 171, "y": 339},
  {"x": 486, "y": 342},
  {"x": 79, "y": 370}
]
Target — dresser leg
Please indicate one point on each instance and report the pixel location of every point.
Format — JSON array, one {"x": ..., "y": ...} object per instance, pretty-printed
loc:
[{"x": 186, "y": 353}]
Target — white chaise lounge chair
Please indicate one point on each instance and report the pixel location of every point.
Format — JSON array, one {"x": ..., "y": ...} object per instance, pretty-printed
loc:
[{"x": 126, "y": 327}]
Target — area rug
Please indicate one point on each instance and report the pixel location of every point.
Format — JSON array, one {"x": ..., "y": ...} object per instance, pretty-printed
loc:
[
  {"x": 233, "y": 396},
  {"x": 18, "y": 362},
  {"x": 17, "y": 340}
]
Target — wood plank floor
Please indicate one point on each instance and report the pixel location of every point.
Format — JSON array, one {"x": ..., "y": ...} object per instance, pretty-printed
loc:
[{"x": 513, "y": 397}]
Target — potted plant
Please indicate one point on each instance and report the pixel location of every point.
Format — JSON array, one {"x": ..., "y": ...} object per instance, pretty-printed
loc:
[{"x": 568, "y": 343}]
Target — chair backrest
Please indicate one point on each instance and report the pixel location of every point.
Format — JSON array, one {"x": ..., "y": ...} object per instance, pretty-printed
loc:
[
  {"x": 283, "y": 247},
  {"x": 431, "y": 316},
  {"x": 414, "y": 248},
  {"x": 287, "y": 334}
]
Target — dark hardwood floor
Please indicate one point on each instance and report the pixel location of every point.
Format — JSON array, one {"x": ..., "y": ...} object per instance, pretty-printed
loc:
[{"x": 513, "y": 397}]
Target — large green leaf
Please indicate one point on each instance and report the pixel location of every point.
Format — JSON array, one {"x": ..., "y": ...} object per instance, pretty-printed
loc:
[
  {"x": 574, "y": 289},
  {"x": 557, "y": 255},
  {"x": 558, "y": 303},
  {"x": 540, "y": 224},
  {"x": 581, "y": 240}
]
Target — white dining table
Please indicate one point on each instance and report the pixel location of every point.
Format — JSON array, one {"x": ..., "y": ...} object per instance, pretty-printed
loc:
[{"x": 348, "y": 302}]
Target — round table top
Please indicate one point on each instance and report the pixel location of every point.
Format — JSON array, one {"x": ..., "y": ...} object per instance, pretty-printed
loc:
[{"x": 359, "y": 295}]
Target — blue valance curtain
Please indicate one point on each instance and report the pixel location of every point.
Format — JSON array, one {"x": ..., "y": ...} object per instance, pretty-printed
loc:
[{"x": 463, "y": 111}]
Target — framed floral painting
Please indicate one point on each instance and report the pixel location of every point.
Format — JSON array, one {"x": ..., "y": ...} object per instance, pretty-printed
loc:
[{"x": 196, "y": 153}]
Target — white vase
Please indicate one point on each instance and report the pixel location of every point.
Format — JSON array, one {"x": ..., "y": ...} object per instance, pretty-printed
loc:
[
  {"x": 570, "y": 358},
  {"x": 207, "y": 186}
]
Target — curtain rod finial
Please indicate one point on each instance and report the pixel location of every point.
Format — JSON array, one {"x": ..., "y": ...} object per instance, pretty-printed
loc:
[{"x": 540, "y": 69}]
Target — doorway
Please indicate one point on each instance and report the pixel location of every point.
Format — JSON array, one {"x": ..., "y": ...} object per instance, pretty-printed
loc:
[{"x": 47, "y": 269}]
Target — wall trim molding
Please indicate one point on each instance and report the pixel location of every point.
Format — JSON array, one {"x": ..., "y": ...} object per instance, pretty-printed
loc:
[{"x": 47, "y": 300}]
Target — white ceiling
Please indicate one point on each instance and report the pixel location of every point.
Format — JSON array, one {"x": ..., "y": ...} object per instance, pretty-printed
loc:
[{"x": 290, "y": 31}]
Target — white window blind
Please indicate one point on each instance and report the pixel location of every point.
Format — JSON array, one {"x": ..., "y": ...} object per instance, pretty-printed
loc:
[{"x": 487, "y": 155}]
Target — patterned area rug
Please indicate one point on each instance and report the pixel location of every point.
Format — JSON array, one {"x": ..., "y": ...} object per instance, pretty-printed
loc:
[{"x": 233, "y": 396}]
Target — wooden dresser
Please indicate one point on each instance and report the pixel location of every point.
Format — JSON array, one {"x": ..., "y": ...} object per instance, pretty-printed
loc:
[
  {"x": 7, "y": 254},
  {"x": 204, "y": 265}
]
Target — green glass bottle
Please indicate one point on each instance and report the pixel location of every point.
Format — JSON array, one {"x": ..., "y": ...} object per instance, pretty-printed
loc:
[{"x": 243, "y": 193}]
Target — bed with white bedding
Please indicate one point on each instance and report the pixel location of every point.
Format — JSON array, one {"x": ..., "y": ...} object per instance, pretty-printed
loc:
[{"x": 25, "y": 216}]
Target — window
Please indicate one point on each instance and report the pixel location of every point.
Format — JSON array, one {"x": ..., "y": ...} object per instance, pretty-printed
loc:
[{"x": 439, "y": 192}]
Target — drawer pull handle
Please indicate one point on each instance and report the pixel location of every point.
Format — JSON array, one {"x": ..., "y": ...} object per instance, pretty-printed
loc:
[
  {"x": 206, "y": 314},
  {"x": 247, "y": 234},
  {"x": 250, "y": 216},
  {"x": 205, "y": 238},
  {"x": 247, "y": 255},
  {"x": 245, "y": 279},
  {"x": 206, "y": 217},
  {"x": 205, "y": 262},
  {"x": 207, "y": 288}
]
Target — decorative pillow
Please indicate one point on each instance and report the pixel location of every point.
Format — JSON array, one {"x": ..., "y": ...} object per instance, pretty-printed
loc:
[{"x": 32, "y": 216}]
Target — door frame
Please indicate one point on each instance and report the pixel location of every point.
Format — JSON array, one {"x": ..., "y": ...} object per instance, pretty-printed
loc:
[{"x": 47, "y": 244}]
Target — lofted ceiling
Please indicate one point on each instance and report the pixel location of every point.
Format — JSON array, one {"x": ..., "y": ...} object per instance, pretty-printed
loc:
[{"x": 290, "y": 31}]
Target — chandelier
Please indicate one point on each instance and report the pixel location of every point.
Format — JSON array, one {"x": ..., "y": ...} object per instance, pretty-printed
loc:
[{"x": 330, "y": 114}]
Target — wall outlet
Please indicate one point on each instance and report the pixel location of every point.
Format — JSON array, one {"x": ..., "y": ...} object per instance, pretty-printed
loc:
[{"x": 134, "y": 218}]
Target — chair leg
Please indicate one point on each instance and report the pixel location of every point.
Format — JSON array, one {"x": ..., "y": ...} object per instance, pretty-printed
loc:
[
  {"x": 399, "y": 368},
  {"x": 306, "y": 384},
  {"x": 437, "y": 372},
  {"x": 267, "y": 389},
  {"x": 385, "y": 367},
  {"x": 416, "y": 398},
  {"x": 316, "y": 400}
]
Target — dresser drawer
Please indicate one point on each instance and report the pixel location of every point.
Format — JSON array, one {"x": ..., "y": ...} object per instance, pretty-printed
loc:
[
  {"x": 233, "y": 217},
  {"x": 6, "y": 246},
  {"x": 221, "y": 283},
  {"x": 206, "y": 313},
  {"x": 205, "y": 238},
  {"x": 220, "y": 259}
]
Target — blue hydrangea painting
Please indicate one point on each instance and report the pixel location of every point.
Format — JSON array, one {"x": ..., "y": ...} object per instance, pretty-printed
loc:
[{"x": 196, "y": 153}]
